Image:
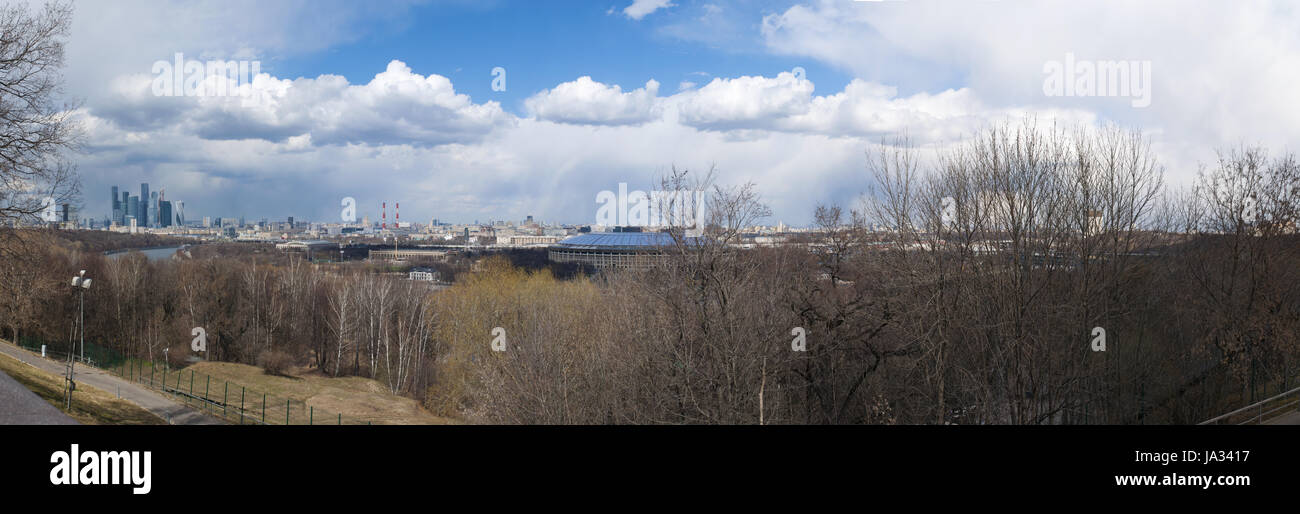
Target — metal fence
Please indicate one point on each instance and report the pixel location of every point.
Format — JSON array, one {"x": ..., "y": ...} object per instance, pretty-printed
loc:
[
  {"x": 225, "y": 399},
  {"x": 1260, "y": 412},
  {"x": 93, "y": 354}
]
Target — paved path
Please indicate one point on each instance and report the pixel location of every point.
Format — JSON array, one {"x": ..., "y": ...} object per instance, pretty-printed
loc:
[
  {"x": 165, "y": 408},
  {"x": 18, "y": 406},
  {"x": 1291, "y": 418}
]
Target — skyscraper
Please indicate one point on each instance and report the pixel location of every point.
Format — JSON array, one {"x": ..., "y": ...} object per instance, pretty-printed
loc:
[
  {"x": 126, "y": 200},
  {"x": 164, "y": 213},
  {"x": 153, "y": 209},
  {"x": 117, "y": 205},
  {"x": 133, "y": 209},
  {"x": 142, "y": 212},
  {"x": 180, "y": 212}
]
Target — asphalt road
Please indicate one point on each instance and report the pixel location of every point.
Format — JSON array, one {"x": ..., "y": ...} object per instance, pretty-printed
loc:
[
  {"x": 1292, "y": 418},
  {"x": 165, "y": 408},
  {"x": 18, "y": 406}
]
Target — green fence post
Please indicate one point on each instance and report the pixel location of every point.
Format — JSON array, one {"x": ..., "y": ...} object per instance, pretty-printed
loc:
[
  {"x": 286, "y": 413},
  {"x": 191, "y": 382},
  {"x": 206, "y": 388},
  {"x": 311, "y": 415},
  {"x": 263, "y": 408},
  {"x": 225, "y": 395},
  {"x": 151, "y": 368},
  {"x": 340, "y": 418},
  {"x": 241, "y": 405}
]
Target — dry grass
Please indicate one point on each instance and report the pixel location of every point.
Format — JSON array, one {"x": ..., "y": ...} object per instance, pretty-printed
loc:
[
  {"x": 90, "y": 406},
  {"x": 356, "y": 398}
]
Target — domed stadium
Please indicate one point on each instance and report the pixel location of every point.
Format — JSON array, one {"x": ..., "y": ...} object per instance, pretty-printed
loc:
[{"x": 606, "y": 250}]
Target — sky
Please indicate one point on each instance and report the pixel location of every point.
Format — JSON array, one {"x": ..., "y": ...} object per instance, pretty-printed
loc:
[{"x": 394, "y": 101}]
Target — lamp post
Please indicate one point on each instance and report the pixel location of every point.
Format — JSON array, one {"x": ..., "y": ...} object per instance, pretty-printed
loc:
[{"x": 81, "y": 283}]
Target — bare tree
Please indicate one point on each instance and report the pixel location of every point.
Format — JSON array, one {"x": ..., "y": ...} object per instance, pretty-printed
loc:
[{"x": 36, "y": 132}]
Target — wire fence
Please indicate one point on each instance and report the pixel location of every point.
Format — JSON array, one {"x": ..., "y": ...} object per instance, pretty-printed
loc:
[
  {"x": 222, "y": 398},
  {"x": 92, "y": 354},
  {"x": 229, "y": 400}
]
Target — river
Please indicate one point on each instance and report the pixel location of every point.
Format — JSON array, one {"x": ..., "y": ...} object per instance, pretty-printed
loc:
[{"x": 153, "y": 254}]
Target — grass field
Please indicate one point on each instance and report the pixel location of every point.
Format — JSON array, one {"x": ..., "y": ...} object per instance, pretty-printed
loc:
[
  {"x": 90, "y": 406},
  {"x": 356, "y": 398}
]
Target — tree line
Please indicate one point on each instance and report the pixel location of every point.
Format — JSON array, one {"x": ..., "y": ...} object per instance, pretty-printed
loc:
[{"x": 967, "y": 287}]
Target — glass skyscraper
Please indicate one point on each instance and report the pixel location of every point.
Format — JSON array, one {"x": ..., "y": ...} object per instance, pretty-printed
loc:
[{"x": 142, "y": 210}]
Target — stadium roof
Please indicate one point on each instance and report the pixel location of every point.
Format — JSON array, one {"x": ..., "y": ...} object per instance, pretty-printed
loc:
[{"x": 636, "y": 241}]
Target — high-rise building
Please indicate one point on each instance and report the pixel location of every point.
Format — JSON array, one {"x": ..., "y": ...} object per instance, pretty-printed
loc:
[
  {"x": 180, "y": 212},
  {"x": 153, "y": 209},
  {"x": 133, "y": 209},
  {"x": 117, "y": 205},
  {"x": 142, "y": 212},
  {"x": 164, "y": 213},
  {"x": 126, "y": 199}
]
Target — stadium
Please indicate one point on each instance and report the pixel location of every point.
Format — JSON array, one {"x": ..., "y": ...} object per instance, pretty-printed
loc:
[{"x": 614, "y": 250}]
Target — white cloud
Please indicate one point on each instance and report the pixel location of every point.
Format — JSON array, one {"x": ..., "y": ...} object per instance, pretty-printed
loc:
[
  {"x": 1222, "y": 73},
  {"x": 590, "y": 102},
  {"x": 640, "y": 8},
  {"x": 741, "y": 102},
  {"x": 396, "y": 107}
]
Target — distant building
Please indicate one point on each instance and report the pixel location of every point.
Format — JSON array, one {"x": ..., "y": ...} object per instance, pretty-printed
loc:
[
  {"x": 605, "y": 250},
  {"x": 409, "y": 254},
  {"x": 527, "y": 240},
  {"x": 422, "y": 273},
  {"x": 142, "y": 207},
  {"x": 117, "y": 207},
  {"x": 164, "y": 213},
  {"x": 309, "y": 247},
  {"x": 133, "y": 208}
]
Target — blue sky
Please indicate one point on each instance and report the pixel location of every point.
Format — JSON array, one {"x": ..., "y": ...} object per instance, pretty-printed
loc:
[
  {"x": 541, "y": 44},
  {"x": 392, "y": 101}
]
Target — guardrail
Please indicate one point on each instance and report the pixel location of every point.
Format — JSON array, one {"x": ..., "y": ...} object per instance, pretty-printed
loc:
[{"x": 1263, "y": 410}]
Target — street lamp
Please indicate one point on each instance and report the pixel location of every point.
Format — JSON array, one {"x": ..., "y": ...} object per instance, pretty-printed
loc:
[{"x": 81, "y": 283}]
